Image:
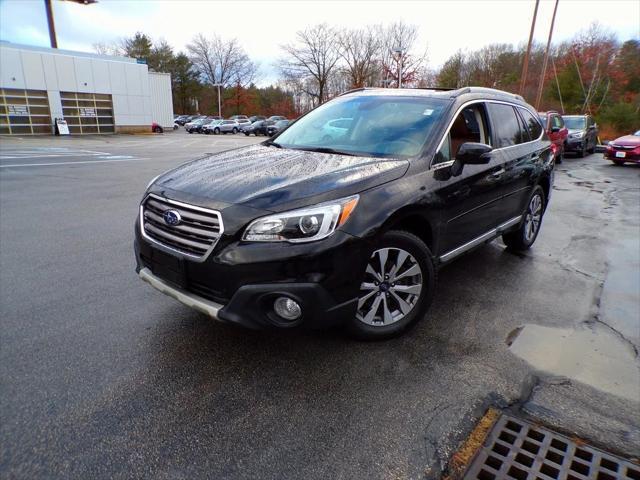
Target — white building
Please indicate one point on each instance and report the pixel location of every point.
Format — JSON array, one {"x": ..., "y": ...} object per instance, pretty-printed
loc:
[{"x": 93, "y": 93}]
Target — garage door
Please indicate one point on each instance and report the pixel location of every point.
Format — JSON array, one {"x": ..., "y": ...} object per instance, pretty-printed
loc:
[
  {"x": 87, "y": 113},
  {"x": 24, "y": 112}
]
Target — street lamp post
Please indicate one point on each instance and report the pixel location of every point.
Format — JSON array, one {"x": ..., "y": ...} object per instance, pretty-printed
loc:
[
  {"x": 400, "y": 53},
  {"x": 219, "y": 104}
]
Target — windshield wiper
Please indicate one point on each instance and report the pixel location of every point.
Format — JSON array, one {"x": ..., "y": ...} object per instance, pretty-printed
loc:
[
  {"x": 326, "y": 150},
  {"x": 271, "y": 143}
]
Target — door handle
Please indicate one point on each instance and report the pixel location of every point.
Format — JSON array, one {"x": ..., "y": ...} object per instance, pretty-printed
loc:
[{"x": 497, "y": 174}]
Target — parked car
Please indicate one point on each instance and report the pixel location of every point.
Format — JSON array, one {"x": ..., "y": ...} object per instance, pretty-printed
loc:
[
  {"x": 349, "y": 231},
  {"x": 557, "y": 131},
  {"x": 192, "y": 127},
  {"x": 277, "y": 127},
  {"x": 275, "y": 118},
  {"x": 199, "y": 128},
  {"x": 243, "y": 123},
  {"x": 258, "y": 127},
  {"x": 209, "y": 128},
  {"x": 583, "y": 134},
  {"x": 624, "y": 149},
  {"x": 226, "y": 126},
  {"x": 255, "y": 118},
  {"x": 156, "y": 127},
  {"x": 336, "y": 128},
  {"x": 181, "y": 119},
  {"x": 238, "y": 117}
]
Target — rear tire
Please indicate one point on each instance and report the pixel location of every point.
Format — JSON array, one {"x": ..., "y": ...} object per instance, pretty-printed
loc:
[
  {"x": 524, "y": 237},
  {"x": 397, "y": 287}
]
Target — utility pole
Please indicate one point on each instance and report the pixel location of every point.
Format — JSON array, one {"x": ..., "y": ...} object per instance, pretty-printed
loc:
[
  {"x": 219, "y": 103},
  {"x": 546, "y": 57},
  {"x": 51, "y": 24},
  {"x": 525, "y": 65}
]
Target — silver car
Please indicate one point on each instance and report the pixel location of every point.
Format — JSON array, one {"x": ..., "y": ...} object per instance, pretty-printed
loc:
[{"x": 226, "y": 126}]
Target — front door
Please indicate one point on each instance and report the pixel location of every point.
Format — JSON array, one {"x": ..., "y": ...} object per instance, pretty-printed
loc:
[{"x": 469, "y": 199}]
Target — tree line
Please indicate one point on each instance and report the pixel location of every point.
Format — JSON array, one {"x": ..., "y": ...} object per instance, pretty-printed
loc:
[{"x": 593, "y": 72}]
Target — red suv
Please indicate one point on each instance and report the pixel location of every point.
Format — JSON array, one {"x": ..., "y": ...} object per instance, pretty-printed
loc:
[{"x": 554, "y": 126}]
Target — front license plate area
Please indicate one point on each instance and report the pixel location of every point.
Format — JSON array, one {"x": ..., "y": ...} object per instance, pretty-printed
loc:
[
  {"x": 621, "y": 154},
  {"x": 169, "y": 268}
]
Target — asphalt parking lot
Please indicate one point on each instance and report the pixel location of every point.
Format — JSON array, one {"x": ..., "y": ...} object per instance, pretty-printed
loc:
[{"x": 104, "y": 377}]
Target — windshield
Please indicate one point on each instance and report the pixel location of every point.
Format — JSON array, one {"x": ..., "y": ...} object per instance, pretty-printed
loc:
[
  {"x": 574, "y": 123},
  {"x": 282, "y": 123},
  {"x": 377, "y": 126},
  {"x": 637, "y": 134}
]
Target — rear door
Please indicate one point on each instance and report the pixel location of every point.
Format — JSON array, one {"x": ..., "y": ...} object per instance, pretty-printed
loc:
[{"x": 513, "y": 138}]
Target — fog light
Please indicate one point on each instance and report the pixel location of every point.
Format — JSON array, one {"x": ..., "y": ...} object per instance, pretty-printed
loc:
[{"x": 287, "y": 308}]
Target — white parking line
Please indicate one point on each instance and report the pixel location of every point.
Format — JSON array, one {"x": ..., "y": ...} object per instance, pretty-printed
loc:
[{"x": 73, "y": 163}]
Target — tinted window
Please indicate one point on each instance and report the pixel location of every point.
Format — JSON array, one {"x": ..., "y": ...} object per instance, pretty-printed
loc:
[
  {"x": 524, "y": 133},
  {"x": 557, "y": 121},
  {"x": 532, "y": 123},
  {"x": 506, "y": 125}
]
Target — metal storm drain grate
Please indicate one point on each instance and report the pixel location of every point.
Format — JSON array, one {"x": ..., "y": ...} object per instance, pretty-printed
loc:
[{"x": 518, "y": 450}]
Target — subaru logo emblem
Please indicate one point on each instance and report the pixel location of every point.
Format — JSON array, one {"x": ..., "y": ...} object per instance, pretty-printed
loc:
[{"x": 171, "y": 217}]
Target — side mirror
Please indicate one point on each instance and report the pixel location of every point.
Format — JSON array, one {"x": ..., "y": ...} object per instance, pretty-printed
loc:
[
  {"x": 555, "y": 129},
  {"x": 472, "y": 153}
]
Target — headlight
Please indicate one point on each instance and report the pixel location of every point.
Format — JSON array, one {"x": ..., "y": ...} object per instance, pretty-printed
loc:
[
  {"x": 577, "y": 135},
  {"x": 304, "y": 225}
]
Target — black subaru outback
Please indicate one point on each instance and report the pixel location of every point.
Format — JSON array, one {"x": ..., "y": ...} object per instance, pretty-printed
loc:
[{"x": 324, "y": 224}]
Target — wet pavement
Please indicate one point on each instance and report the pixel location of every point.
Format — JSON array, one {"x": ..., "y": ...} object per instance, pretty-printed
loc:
[{"x": 103, "y": 377}]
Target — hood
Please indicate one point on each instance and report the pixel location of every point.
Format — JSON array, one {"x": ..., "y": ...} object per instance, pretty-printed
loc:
[
  {"x": 576, "y": 130},
  {"x": 265, "y": 177},
  {"x": 627, "y": 140}
]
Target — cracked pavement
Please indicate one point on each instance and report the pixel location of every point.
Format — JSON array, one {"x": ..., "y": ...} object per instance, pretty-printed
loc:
[{"x": 103, "y": 377}]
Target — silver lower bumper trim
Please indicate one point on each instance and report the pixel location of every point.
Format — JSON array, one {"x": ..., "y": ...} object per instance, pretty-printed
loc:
[{"x": 197, "y": 303}]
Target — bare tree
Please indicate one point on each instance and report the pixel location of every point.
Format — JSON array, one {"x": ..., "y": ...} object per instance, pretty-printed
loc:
[
  {"x": 311, "y": 60},
  {"x": 221, "y": 61},
  {"x": 398, "y": 54},
  {"x": 360, "y": 50}
]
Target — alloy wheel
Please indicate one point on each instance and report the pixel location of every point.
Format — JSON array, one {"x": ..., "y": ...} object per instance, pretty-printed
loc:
[
  {"x": 533, "y": 218},
  {"x": 391, "y": 287}
]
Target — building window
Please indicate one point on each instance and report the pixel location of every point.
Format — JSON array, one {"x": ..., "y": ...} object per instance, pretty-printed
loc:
[
  {"x": 87, "y": 113},
  {"x": 24, "y": 112}
]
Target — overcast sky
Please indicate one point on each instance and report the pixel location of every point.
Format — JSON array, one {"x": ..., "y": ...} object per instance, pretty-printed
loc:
[{"x": 262, "y": 26}]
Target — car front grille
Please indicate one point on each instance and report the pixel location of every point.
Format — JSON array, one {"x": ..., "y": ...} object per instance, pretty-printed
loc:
[
  {"x": 623, "y": 147},
  {"x": 194, "y": 235}
]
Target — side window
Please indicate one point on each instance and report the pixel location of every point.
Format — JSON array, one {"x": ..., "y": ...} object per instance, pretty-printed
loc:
[
  {"x": 557, "y": 121},
  {"x": 505, "y": 123},
  {"x": 469, "y": 126},
  {"x": 524, "y": 132},
  {"x": 533, "y": 125}
]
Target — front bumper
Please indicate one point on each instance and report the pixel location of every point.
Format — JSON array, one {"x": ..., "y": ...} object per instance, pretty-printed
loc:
[
  {"x": 575, "y": 144},
  {"x": 239, "y": 282}
]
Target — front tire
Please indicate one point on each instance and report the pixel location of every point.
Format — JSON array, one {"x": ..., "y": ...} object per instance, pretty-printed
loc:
[
  {"x": 396, "y": 289},
  {"x": 524, "y": 237},
  {"x": 235, "y": 130}
]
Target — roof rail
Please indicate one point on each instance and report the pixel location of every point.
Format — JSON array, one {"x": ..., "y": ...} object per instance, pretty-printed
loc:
[{"x": 492, "y": 91}]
